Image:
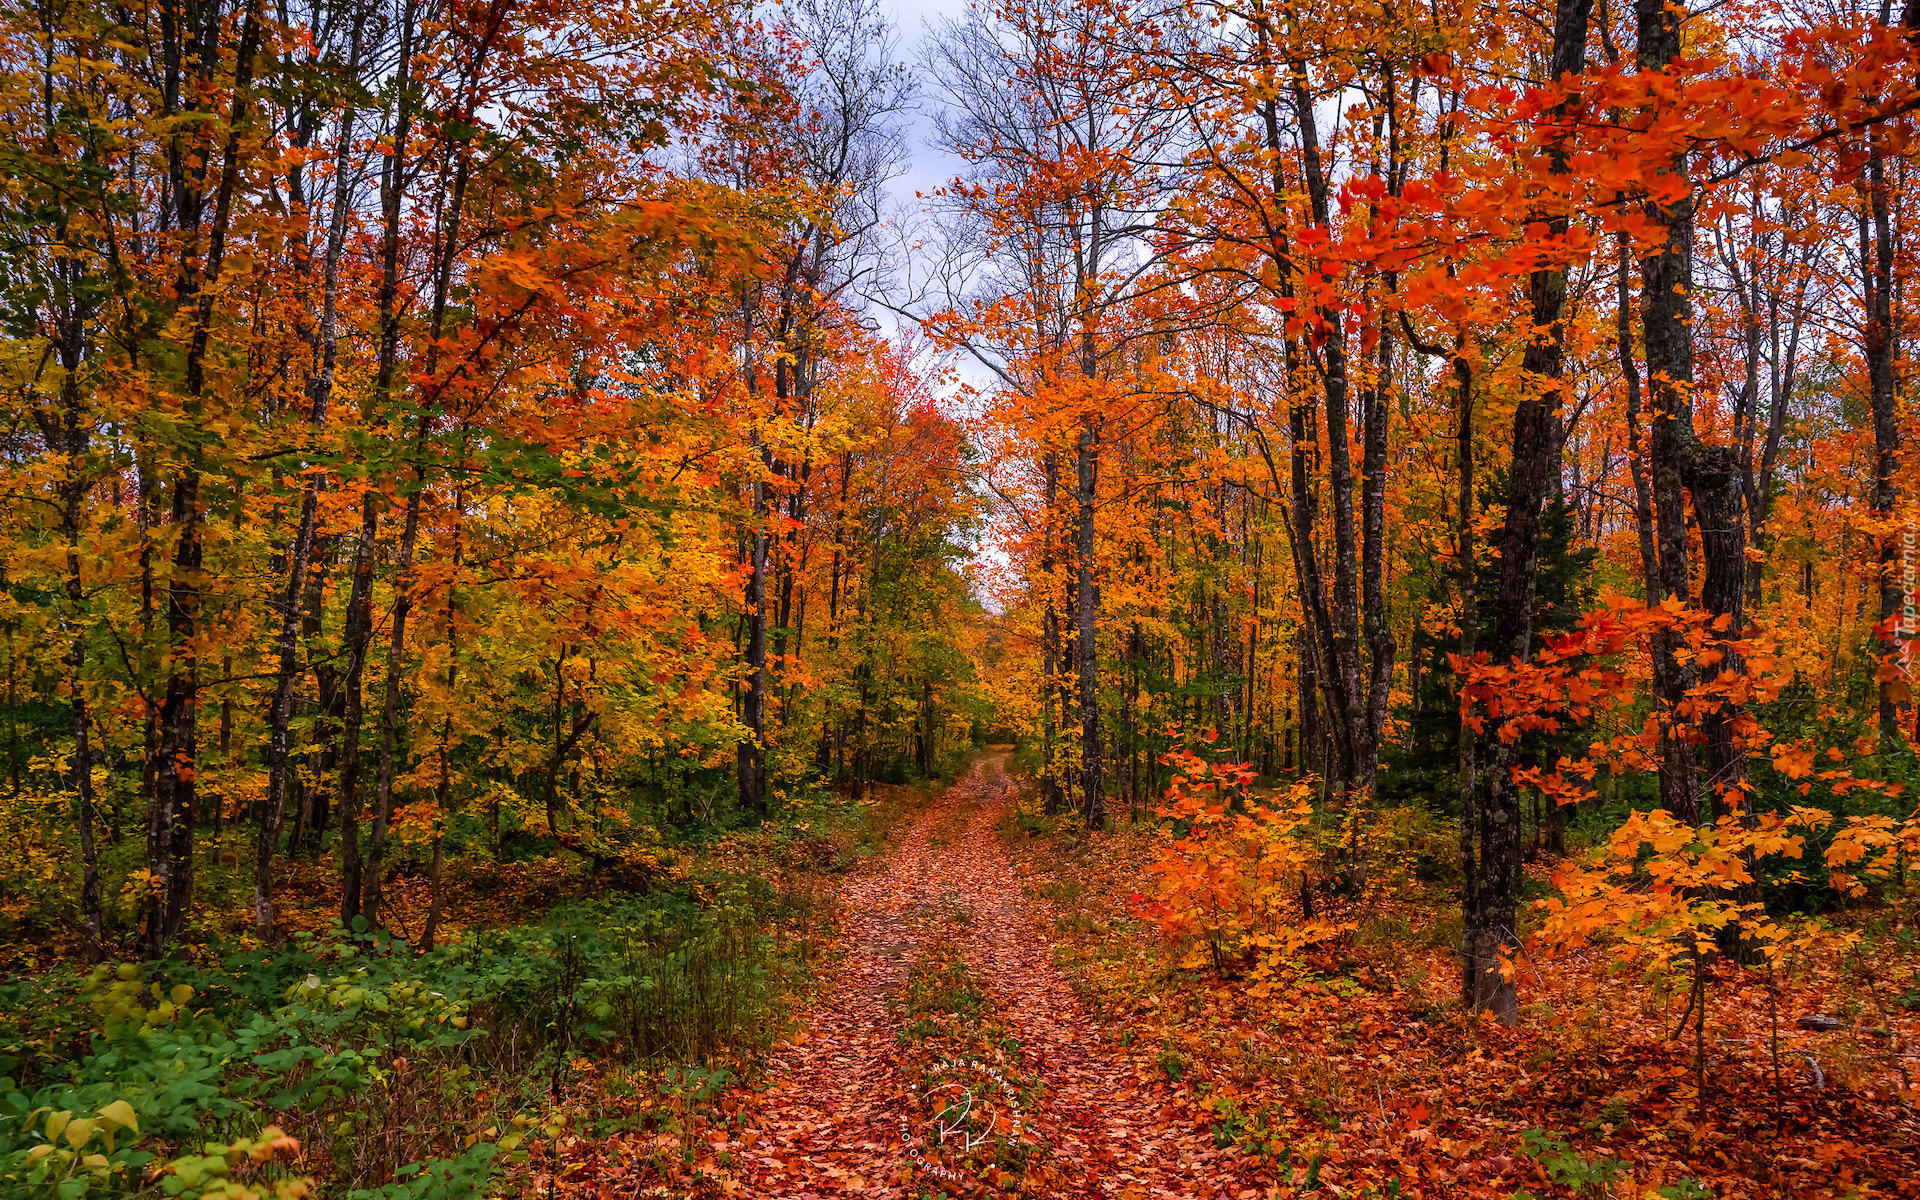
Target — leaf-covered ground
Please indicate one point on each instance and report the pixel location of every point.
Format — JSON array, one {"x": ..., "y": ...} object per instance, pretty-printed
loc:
[
  {"x": 1366, "y": 1065},
  {"x": 846, "y": 1109},
  {"x": 1004, "y": 971}
]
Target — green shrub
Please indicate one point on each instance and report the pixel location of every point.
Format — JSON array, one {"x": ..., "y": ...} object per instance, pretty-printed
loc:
[{"x": 372, "y": 1055}]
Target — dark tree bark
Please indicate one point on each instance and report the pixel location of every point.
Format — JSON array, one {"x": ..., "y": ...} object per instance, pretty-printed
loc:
[
  {"x": 1682, "y": 466},
  {"x": 751, "y": 756},
  {"x": 458, "y": 151},
  {"x": 322, "y": 753},
  {"x": 190, "y": 39},
  {"x": 1352, "y": 675},
  {"x": 1877, "y": 249},
  {"x": 1086, "y": 619},
  {"x": 358, "y": 637},
  {"x": 1666, "y": 277},
  {"x": 1050, "y": 657},
  {"x": 1493, "y": 934},
  {"x": 443, "y": 794},
  {"x": 67, "y": 433},
  {"x": 358, "y": 872},
  {"x": 1467, "y": 747}
]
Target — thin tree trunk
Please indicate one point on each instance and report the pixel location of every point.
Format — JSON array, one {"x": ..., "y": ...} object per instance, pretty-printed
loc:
[
  {"x": 1467, "y": 747},
  {"x": 358, "y": 634},
  {"x": 444, "y": 791},
  {"x": 1049, "y": 644},
  {"x": 752, "y": 750},
  {"x": 1086, "y": 606},
  {"x": 71, "y": 438},
  {"x": 1882, "y": 351},
  {"x": 1666, "y": 311},
  {"x": 280, "y": 708},
  {"x": 393, "y": 188},
  {"x": 176, "y": 748},
  {"x": 1636, "y": 458},
  {"x": 322, "y": 750}
]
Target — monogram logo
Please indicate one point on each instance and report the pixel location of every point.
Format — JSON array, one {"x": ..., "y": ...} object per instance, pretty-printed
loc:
[{"x": 967, "y": 1109}]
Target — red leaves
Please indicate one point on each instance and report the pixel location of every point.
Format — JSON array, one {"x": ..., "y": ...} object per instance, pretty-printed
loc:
[{"x": 1230, "y": 889}]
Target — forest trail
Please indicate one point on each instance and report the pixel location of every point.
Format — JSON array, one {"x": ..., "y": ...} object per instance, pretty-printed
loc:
[{"x": 838, "y": 1122}]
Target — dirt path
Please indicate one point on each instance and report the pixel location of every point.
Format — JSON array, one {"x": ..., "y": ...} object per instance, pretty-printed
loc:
[{"x": 833, "y": 1123}]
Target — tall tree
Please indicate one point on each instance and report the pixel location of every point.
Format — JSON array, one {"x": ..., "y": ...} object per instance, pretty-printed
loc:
[
  {"x": 1491, "y": 935},
  {"x": 1062, "y": 190}
]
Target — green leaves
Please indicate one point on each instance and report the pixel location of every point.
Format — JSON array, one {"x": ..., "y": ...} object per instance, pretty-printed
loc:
[
  {"x": 69, "y": 1152},
  {"x": 1569, "y": 1168}
]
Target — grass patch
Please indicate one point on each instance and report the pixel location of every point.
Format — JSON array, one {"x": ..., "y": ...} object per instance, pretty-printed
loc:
[{"x": 973, "y": 1093}]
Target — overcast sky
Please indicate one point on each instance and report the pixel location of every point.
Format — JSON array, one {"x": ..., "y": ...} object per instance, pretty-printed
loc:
[{"x": 927, "y": 167}]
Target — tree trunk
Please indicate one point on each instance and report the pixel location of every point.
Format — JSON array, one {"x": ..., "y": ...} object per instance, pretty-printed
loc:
[
  {"x": 170, "y": 832},
  {"x": 358, "y": 633},
  {"x": 1636, "y": 457},
  {"x": 1882, "y": 351},
  {"x": 69, "y": 435},
  {"x": 1086, "y": 605},
  {"x": 322, "y": 749},
  {"x": 1050, "y": 669},
  {"x": 280, "y": 708},
  {"x": 1666, "y": 278},
  {"x": 175, "y": 751},
  {"x": 443, "y": 796},
  {"x": 394, "y": 179},
  {"x": 1536, "y": 427},
  {"x": 752, "y": 749},
  {"x": 1467, "y": 742}
]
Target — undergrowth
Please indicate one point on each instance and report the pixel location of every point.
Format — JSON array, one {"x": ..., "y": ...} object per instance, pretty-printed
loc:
[
  {"x": 350, "y": 1062},
  {"x": 1357, "y": 1067}
]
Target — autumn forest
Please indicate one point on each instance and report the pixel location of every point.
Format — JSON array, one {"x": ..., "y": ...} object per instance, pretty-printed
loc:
[{"x": 1328, "y": 610}]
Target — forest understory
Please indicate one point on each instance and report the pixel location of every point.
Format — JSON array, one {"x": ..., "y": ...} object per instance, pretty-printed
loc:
[
  {"x": 1363, "y": 1058},
  {"x": 954, "y": 995},
  {"x": 997, "y": 952}
]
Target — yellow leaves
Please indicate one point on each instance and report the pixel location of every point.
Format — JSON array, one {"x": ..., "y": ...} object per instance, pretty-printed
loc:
[
  {"x": 211, "y": 1173},
  {"x": 67, "y": 1135},
  {"x": 1657, "y": 830},
  {"x": 120, "y": 1114},
  {"x": 1660, "y": 886}
]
